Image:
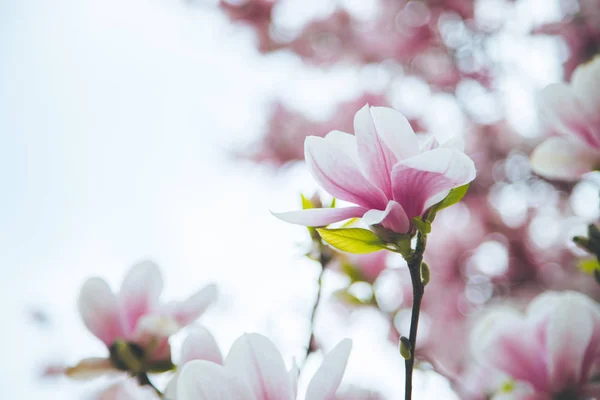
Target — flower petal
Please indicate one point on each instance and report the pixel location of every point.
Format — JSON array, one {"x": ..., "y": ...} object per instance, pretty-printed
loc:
[
  {"x": 90, "y": 368},
  {"x": 98, "y": 308},
  {"x": 139, "y": 293},
  {"x": 328, "y": 377},
  {"x": 586, "y": 85},
  {"x": 336, "y": 171},
  {"x": 200, "y": 344},
  {"x": 569, "y": 332},
  {"x": 377, "y": 160},
  {"x": 293, "y": 373},
  {"x": 562, "y": 110},
  {"x": 560, "y": 158},
  {"x": 187, "y": 311},
  {"x": 204, "y": 380},
  {"x": 423, "y": 180},
  {"x": 395, "y": 131},
  {"x": 320, "y": 216},
  {"x": 258, "y": 363},
  {"x": 393, "y": 218}
]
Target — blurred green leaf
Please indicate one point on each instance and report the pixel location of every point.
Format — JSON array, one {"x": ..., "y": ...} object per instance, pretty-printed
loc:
[
  {"x": 352, "y": 240},
  {"x": 424, "y": 226},
  {"x": 306, "y": 203},
  {"x": 333, "y": 202},
  {"x": 589, "y": 265}
]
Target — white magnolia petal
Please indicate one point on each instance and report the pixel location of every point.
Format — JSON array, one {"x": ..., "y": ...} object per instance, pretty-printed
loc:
[
  {"x": 338, "y": 173},
  {"x": 320, "y": 216},
  {"x": 294, "y": 373},
  {"x": 256, "y": 361},
  {"x": 456, "y": 142},
  {"x": 200, "y": 344},
  {"x": 393, "y": 218},
  {"x": 328, "y": 377},
  {"x": 140, "y": 293},
  {"x": 560, "y": 158},
  {"x": 395, "y": 131},
  {"x": 98, "y": 308},
  {"x": 187, "y": 311},
  {"x": 586, "y": 85},
  {"x": 204, "y": 380},
  {"x": 376, "y": 159}
]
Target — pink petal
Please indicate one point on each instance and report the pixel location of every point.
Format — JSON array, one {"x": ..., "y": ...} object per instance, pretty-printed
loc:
[
  {"x": 140, "y": 293},
  {"x": 336, "y": 171},
  {"x": 255, "y": 360},
  {"x": 153, "y": 332},
  {"x": 395, "y": 131},
  {"x": 188, "y": 311},
  {"x": 586, "y": 85},
  {"x": 90, "y": 368},
  {"x": 393, "y": 218},
  {"x": 560, "y": 158},
  {"x": 561, "y": 109},
  {"x": 421, "y": 181},
  {"x": 569, "y": 331},
  {"x": 200, "y": 344},
  {"x": 320, "y": 216},
  {"x": 328, "y": 377},
  {"x": 98, "y": 308},
  {"x": 376, "y": 158},
  {"x": 204, "y": 380}
]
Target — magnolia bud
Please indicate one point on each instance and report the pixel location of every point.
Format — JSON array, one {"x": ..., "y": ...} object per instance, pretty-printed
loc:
[
  {"x": 425, "y": 273},
  {"x": 405, "y": 348}
]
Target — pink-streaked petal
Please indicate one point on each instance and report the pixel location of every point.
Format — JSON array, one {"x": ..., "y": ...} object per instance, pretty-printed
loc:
[
  {"x": 328, "y": 377},
  {"x": 140, "y": 293},
  {"x": 393, "y": 218},
  {"x": 395, "y": 131},
  {"x": 377, "y": 160},
  {"x": 204, "y": 380},
  {"x": 98, "y": 308},
  {"x": 421, "y": 181},
  {"x": 320, "y": 216},
  {"x": 338, "y": 173},
  {"x": 200, "y": 344},
  {"x": 255, "y": 360},
  {"x": 90, "y": 368},
  {"x": 561, "y": 158},
  {"x": 569, "y": 331},
  {"x": 187, "y": 311},
  {"x": 562, "y": 111},
  {"x": 586, "y": 85}
]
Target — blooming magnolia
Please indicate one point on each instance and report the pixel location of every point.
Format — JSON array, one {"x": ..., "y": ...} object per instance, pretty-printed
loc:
[
  {"x": 550, "y": 352},
  {"x": 135, "y": 317},
  {"x": 254, "y": 370},
  {"x": 574, "y": 112},
  {"x": 384, "y": 170}
]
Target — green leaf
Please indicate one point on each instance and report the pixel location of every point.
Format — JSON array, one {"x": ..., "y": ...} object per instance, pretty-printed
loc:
[
  {"x": 306, "y": 203},
  {"x": 453, "y": 197},
  {"x": 589, "y": 265},
  {"x": 352, "y": 240},
  {"x": 333, "y": 201},
  {"x": 423, "y": 226},
  {"x": 350, "y": 222}
]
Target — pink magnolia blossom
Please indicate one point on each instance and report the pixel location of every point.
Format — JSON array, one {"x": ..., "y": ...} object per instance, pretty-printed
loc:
[
  {"x": 574, "y": 112},
  {"x": 254, "y": 370},
  {"x": 550, "y": 352},
  {"x": 383, "y": 169},
  {"x": 136, "y": 315}
]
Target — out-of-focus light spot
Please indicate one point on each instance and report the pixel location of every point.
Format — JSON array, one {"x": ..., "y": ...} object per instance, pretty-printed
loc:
[
  {"x": 491, "y": 258},
  {"x": 510, "y": 202},
  {"x": 453, "y": 30},
  {"x": 402, "y": 325},
  {"x": 517, "y": 167},
  {"x": 375, "y": 77},
  {"x": 544, "y": 230},
  {"x": 361, "y": 290},
  {"x": 481, "y": 104},
  {"x": 458, "y": 216},
  {"x": 585, "y": 200},
  {"x": 491, "y": 14},
  {"x": 389, "y": 291},
  {"x": 542, "y": 193},
  {"x": 365, "y": 10},
  {"x": 479, "y": 289},
  {"x": 409, "y": 94}
]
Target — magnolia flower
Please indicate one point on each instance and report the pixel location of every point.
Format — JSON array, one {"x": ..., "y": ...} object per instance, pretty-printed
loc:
[
  {"x": 574, "y": 112},
  {"x": 384, "y": 170},
  {"x": 254, "y": 370},
  {"x": 550, "y": 352},
  {"x": 135, "y": 317}
]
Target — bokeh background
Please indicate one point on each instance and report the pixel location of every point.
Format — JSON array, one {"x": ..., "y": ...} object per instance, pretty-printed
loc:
[{"x": 168, "y": 129}]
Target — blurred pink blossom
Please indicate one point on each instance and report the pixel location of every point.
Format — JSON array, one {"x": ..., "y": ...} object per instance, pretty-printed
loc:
[
  {"x": 364, "y": 267},
  {"x": 550, "y": 352},
  {"x": 384, "y": 170},
  {"x": 254, "y": 370},
  {"x": 574, "y": 112}
]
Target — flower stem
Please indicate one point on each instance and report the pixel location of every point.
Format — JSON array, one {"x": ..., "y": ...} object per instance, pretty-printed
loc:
[
  {"x": 144, "y": 380},
  {"x": 414, "y": 267}
]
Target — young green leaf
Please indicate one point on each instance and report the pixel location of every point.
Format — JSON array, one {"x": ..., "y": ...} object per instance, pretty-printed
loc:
[
  {"x": 453, "y": 197},
  {"x": 352, "y": 240},
  {"x": 589, "y": 265},
  {"x": 306, "y": 203},
  {"x": 424, "y": 226}
]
